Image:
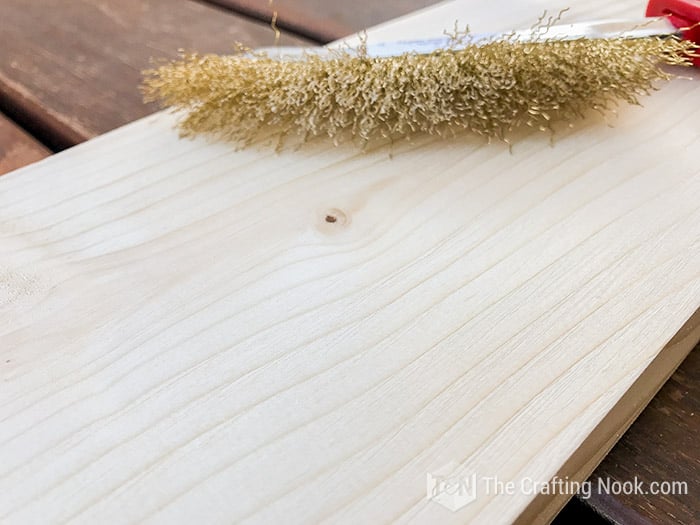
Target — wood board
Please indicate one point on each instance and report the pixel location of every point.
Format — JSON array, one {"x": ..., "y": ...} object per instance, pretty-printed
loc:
[{"x": 185, "y": 336}]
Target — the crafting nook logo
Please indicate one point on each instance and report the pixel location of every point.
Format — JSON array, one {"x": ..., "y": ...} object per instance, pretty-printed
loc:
[{"x": 451, "y": 488}]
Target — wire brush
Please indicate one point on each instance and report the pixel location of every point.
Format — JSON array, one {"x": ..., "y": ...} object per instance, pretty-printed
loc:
[{"x": 486, "y": 88}]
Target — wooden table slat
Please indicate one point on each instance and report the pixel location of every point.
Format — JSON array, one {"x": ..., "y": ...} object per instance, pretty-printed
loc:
[
  {"x": 75, "y": 67},
  {"x": 323, "y": 20},
  {"x": 17, "y": 148}
]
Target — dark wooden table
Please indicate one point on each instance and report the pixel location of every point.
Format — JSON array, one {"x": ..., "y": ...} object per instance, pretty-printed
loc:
[{"x": 69, "y": 70}]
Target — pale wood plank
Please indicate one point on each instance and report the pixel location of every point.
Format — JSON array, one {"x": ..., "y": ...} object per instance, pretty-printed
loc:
[{"x": 186, "y": 338}]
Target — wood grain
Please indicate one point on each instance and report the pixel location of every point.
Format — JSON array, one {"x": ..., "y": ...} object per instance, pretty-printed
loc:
[
  {"x": 70, "y": 69},
  {"x": 17, "y": 149},
  {"x": 322, "y": 20},
  {"x": 638, "y": 451},
  {"x": 662, "y": 445},
  {"x": 633, "y": 508},
  {"x": 186, "y": 337}
]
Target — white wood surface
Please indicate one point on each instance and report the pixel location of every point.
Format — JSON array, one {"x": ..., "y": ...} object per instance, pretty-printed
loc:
[{"x": 185, "y": 339}]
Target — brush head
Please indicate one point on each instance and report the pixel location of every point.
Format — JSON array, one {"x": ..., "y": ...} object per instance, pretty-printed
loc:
[{"x": 488, "y": 89}]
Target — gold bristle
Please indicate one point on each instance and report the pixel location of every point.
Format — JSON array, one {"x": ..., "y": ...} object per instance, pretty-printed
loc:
[{"x": 488, "y": 89}]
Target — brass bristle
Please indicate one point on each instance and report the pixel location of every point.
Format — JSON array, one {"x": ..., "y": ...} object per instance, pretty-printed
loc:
[{"x": 488, "y": 89}]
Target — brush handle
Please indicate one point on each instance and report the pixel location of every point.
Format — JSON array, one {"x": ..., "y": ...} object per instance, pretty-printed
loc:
[
  {"x": 595, "y": 29},
  {"x": 684, "y": 14}
]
